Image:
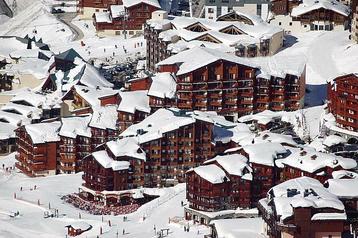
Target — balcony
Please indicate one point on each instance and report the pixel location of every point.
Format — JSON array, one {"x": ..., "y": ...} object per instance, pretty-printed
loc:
[
  {"x": 214, "y": 95},
  {"x": 187, "y": 105}
]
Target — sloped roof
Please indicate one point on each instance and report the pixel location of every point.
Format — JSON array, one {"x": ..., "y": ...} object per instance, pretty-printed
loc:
[{"x": 68, "y": 55}]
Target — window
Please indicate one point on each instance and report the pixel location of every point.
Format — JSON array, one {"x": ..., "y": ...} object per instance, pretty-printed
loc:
[
  {"x": 258, "y": 9},
  {"x": 279, "y": 23},
  {"x": 210, "y": 10},
  {"x": 290, "y": 23}
]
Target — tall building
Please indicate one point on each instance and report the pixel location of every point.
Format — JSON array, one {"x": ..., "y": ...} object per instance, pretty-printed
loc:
[
  {"x": 242, "y": 34},
  {"x": 210, "y": 80},
  {"x": 160, "y": 149},
  {"x": 302, "y": 208},
  {"x": 343, "y": 102},
  {"x": 215, "y": 8}
]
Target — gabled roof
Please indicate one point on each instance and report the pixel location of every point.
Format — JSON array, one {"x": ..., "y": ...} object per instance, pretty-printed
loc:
[
  {"x": 132, "y": 101},
  {"x": 68, "y": 55},
  {"x": 198, "y": 57},
  {"x": 311, "y": 5},
  {"x": 211, "y": 173},
  {"x": 163, "y": 85},
  {"x": 44, "y": 132},
  {"x": 130, "y": 3}
]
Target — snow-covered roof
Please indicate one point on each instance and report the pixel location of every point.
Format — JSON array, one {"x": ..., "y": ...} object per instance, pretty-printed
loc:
[
  {"x": 24, "y": 110},
  {"x": 263, "y": 117},
  {"x": 127, "y": 146},
  {"x": 344, "y": 174},
  {"x": 83, "y": 74},
  {"x": 130, "y": 3},
  {"x": 107, "y": 162},
  {"x": 304, "y": 192},
  {"x": 75, "y": 126},
  {"x": 163, "y": 85},
  {"x": 264, "y": 153},
  {"x": 80, "y": 225},
  {"x": 198, "y": 57},
  {"x": 154, "y": 126},
  {"x": 93, "y": 95},
  {"x": 242, "y": 227},
  {"x": 311, "y": 5},
  {"x": 343, "y": 188},
  {"x": 234, "y": 164},
  {"x": 332, "y": 140},
  {"x": 166, "y": 120},
  {"x": 177, "y": 28},
  {"x": 132, "y": 101},
  {"x": 103, "y": 17},
  {"x": 37, "y": 99},
  {"x": 212, "y": 173},
  {"x": 44, "y": 132},
  {"x": 312, "y": 161},
  {"x": 7, "y": 131},
  {"x": 117, "y": 11},
  {"x": 104, "y": 117}
]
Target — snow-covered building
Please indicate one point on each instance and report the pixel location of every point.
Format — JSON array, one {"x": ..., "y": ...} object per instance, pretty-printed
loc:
[
  {"x": 211, "y": 80},
  {"x": 302, "y": 208},
  {"x": 25, "y": 107},
  {"x": 343, "y": 105},
  {"x": 262, "y": 157},
  {"x": 38, "y": 148},
  {"x": 162, "y": 147},
  {"x": 133, "y": 107},
  {"x": 310, "y": 15},
  {"x": 242, "y": 227},
  {"x": 86, "y": 99},
  {"x": 87, "y": 8},
  {"x": 221, "y": 183},
  {"x": 127, "y": 17},
  {"x": 214, "y": 9},
  {"x": 242, "y": 34},
  {"x": 313, "y": 164},
  {"x": 343, "y": 189},
  {"x": 75, "y": 143},
  {"x": 162, "y": 91}
]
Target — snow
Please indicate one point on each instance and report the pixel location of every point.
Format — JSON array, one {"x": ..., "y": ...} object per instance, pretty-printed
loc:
[
  {"x": 132, "y": 101},
  {"x": 329, "y": 216},
  {"x": 155, "y": 125},
  {"x": 344, "y": 173},
  {"x": 163, "y": 85},
  {"x": 104, "y": 117},
  {"x": 44, "y": 132},
  {"x": 106, "y": 161},
  {"x": 251, "y": 33},
  {"x": 234, "y": 164},
  {"x": 7, "y": 130},
  {"x": 80, "y": 225},
  {"x": 130, "y": 3},
  {"x": 198, "y": 57},
  {"x": 311, "y": 5},
  {"x": 312, "y": 161},
  {"x": 117, "y": 10},
  {"x": 309, "y": 193},
  {"x": 241, "y": 227},
  {"x": 75, "y": 126},
  {"x": 343, "y": 188},
  {"x": 37, "y": 16},
  {"x": 127, "y": 146},
  {"x": 332, "y": 140},
  {"x": 93, "y": 95},
  {"x": 102, "y": 17},
  {"x": 212, "y": 173},
  {"x": 264, "y": 153}
]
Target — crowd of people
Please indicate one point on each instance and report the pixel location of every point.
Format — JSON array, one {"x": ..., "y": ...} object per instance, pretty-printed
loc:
[{"x": 98, "y": 208}]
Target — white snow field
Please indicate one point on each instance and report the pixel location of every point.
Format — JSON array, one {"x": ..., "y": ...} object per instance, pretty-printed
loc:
[{"x": 31, "y": 222}]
